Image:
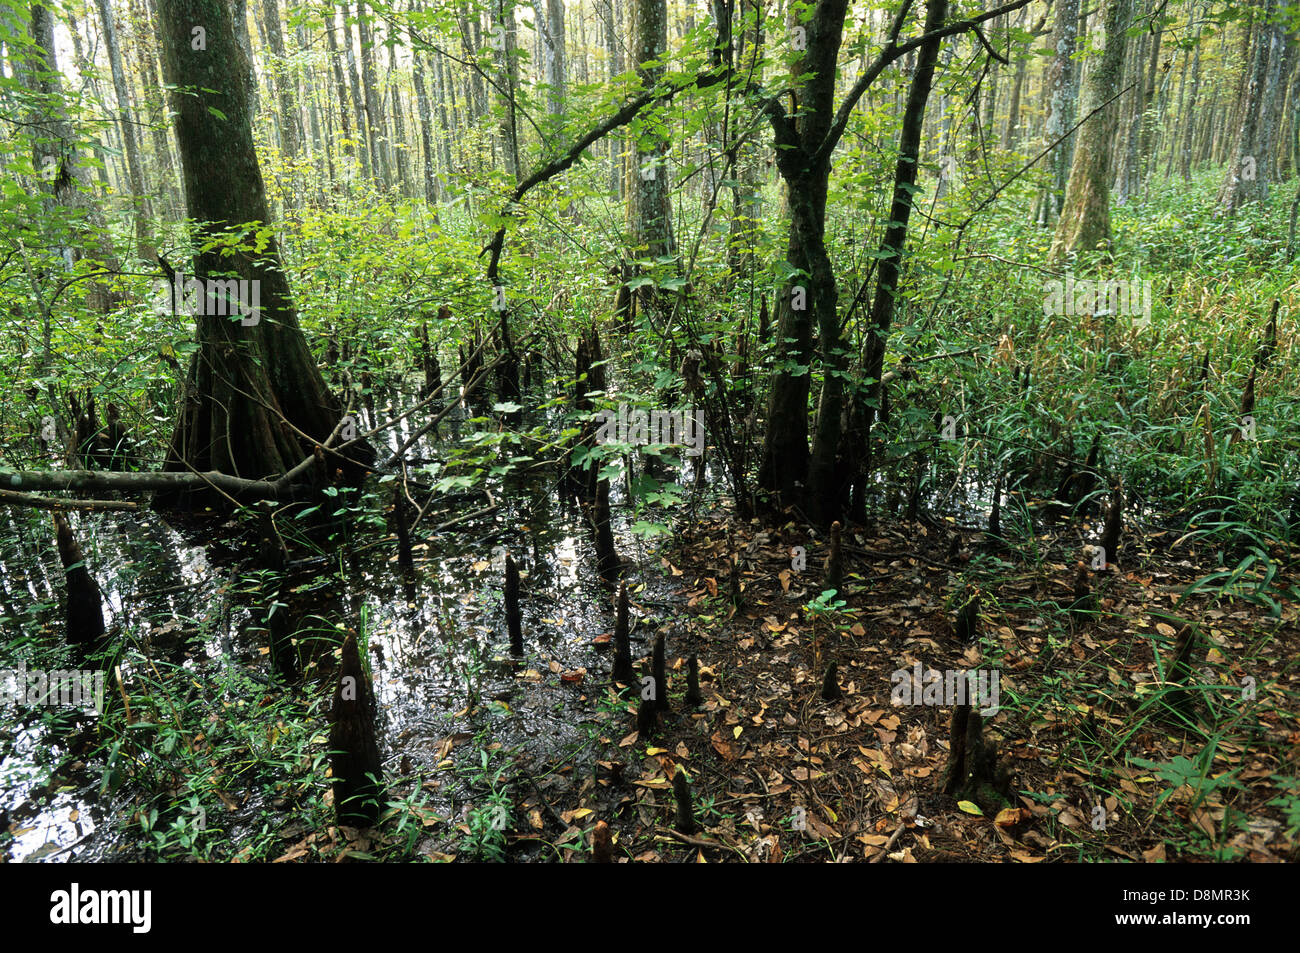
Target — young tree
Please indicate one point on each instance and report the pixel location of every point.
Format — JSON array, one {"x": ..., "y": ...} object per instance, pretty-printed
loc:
[
  {"x": 130, "y": 143},
  {"x": 56, "y": 159}
]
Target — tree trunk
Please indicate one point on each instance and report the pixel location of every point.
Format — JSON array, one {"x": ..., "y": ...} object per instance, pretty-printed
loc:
[
  {"x": 252, "y": 389},
  {"x": 290, "y": 131},
  {"x": 55, "y": 158},
  {"x": 1246, "y": 178},
  {"x": 552, "y": 36},
  {"x": 139, "y": 205},
  {"x": 1063, "y": 95},
  {"x": 614, "y": 60},
  {"x": 889, "y": 265},
  {"x": 365, "y": 136},
  {"x": 400, "y": 155},
  {"x": 239, "y": 11},
  {"x": 340, "y": 83},
  {"x": 426, "y": 122},
  {"x": 809, "y": 296},
  {"x": 376, "y": 126},
  {"x": 503, "y": 14},
  {"x": 648, "y": 202},
  {"x": 1190, "y": 113},
  {"x": 167, "y": 185},
  {"x": 1085, "y": 217}
]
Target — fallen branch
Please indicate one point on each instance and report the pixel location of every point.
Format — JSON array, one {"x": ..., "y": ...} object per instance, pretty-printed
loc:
[
  {"x": 54, "y": 503},
  {"x": 102, "y": 481},
  {"x": 701, "y": 842}
]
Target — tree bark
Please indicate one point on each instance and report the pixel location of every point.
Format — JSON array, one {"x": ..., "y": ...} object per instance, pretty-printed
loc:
[
  {"x": 1085, "y": 217},
  {"x": 1246, "y": 178},
  {"x": 649, "y": 205},
  {"x": 290, "y": 127},
  {"x": 552, "y": 36},
  {"x": 1063, "y": 95}
]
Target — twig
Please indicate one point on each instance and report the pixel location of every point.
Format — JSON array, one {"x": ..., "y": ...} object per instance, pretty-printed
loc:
[
  {"x": 700, "y": 841},
  {"x": 889, "y": 845}
]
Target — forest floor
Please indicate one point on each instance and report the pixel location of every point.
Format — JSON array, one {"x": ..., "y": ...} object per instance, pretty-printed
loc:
[{"x": 1110, "y": 756}]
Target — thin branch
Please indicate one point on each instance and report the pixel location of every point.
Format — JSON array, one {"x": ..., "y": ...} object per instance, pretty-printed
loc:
[{"x": 888, "y": 55}]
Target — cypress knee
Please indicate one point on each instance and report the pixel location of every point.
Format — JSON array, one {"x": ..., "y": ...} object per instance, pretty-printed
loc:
[
  {"x": 830, "y": 685},
  {"x": 622, "y": 646},
  {"x": 660, "y": 676},
  {"x": 514, "y": 617},
  {"x": 1181, "y": 698},
  {"x": 682, "y": 795},
  {"x": 354, "y": 750},
  {"x": 85, "y": 609},
  {"x": 602, "y": 844},
  {"x": 968, "y": 615},
  {"x": 693, "y": 696},
  {"x": 1110, "y": 535},
  {"x": 607, "y": 564}
]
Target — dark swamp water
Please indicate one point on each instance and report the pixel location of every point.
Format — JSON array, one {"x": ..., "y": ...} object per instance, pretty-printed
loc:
[
  {"x": 458, "y": 721},
  {"x": 191, "y": 596}
]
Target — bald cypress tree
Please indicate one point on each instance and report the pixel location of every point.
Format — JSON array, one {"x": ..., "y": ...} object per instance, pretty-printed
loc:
[{"x": 256, "y": 401}]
